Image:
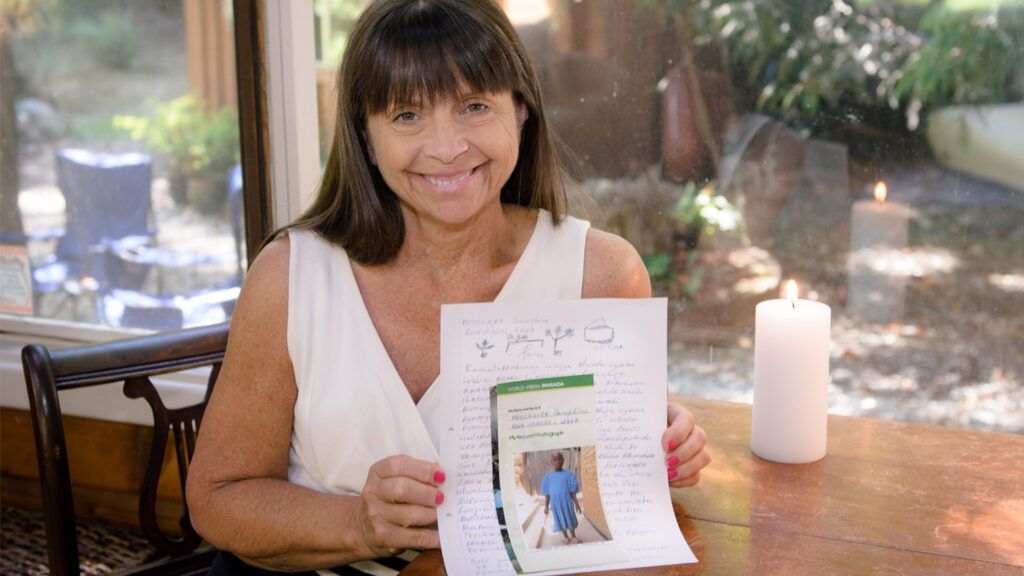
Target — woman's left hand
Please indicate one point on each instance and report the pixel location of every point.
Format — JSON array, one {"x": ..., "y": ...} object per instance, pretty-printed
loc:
[{"x": 685, "y": 446}]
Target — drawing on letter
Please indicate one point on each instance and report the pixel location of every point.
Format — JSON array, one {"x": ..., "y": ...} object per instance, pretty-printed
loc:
[
  {"x": 558, "y": 334},
  {"x": 519, "y": 344},
  {"x": 599, "y": 332},
  {"x": 483, "y": 346}
]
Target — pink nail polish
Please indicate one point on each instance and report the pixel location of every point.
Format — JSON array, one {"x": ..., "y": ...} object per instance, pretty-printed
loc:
[
  {"x": 672, "y": 461},
  {"x": 438, "y": 476},
  {"x": 672, "y": 473},
  {"x": 439, "y": 499},
  {"x": 672, "y": 444}
]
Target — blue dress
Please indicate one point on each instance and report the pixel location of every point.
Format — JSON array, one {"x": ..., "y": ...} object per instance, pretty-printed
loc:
[{"x": 559, "y": 485}]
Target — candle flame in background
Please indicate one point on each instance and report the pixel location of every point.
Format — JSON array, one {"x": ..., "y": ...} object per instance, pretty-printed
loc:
[
  {"x": 791, "y": 292},
  {"x": 881, "y": 192}
]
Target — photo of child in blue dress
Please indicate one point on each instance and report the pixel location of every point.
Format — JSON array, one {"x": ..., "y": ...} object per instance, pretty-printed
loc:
[
  {"x": 559, "y": 488},
  {"x": 556, "y": 498}
]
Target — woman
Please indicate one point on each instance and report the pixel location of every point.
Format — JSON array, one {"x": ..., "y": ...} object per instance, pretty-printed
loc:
[{"x": 318, "y": 447}]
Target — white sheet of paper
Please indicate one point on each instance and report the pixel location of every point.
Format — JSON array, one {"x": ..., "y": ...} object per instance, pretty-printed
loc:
[{"x": 623, "y": 344}]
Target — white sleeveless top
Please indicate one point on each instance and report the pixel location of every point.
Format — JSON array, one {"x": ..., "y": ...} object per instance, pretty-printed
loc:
[{"x": 352, "y": 408}]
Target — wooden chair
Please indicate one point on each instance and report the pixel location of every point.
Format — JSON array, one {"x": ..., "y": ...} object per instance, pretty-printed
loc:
[{"x": 132, "y": 361}]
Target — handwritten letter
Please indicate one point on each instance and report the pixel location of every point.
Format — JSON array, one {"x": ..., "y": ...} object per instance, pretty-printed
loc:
[{"x": 622, "y": 344}]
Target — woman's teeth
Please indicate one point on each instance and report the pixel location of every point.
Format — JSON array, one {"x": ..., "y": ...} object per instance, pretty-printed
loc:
[{"x": 448, "y": 183}]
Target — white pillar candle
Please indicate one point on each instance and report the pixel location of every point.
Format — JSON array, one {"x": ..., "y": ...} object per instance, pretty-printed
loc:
[
  {"x": 878, "y": 236},
  {"x": 879, "y": 223},
  {"x": 791, "y": 347}
]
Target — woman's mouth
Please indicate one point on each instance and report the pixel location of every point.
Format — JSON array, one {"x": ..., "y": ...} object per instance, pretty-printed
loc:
[{"x": 450, "y": 182}]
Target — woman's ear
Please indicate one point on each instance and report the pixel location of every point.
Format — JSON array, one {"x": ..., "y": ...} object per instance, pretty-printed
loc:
[{"x": 522, "y": 113}]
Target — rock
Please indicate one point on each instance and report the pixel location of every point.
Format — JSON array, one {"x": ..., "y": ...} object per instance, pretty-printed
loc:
[
  {"x": 767, "y": 170},
  {"x": 38, "y": 121},
  {"x": 638, "y": 209}
]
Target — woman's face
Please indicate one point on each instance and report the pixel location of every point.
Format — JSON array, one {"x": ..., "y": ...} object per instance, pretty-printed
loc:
[{"x": 448, "y": 162}]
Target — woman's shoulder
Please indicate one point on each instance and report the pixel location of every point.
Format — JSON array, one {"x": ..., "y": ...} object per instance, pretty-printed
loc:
[
  {"x": 268, "y": 274},
  {"x": 274, "y": 255},
  {"x": 612, "y": 268},
  {"x": 307, "y": 244}
]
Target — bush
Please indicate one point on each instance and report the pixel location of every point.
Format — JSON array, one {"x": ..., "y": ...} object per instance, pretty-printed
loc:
[
  {"x": 968, "y": 58},
  {"x": 112, "y": 40},
  {"x": 829, "y": 63},
  {"x": 195, "y": 140}
]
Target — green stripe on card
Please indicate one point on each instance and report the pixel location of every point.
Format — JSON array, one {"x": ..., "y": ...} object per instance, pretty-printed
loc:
[{"x": 545, "y": 384}]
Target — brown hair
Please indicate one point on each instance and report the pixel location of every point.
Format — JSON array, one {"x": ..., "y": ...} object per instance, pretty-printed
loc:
[{"x": 409, "y": 50}]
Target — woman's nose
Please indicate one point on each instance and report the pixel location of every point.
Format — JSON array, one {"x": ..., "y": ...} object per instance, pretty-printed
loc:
[{"x": 446, "y": 141}]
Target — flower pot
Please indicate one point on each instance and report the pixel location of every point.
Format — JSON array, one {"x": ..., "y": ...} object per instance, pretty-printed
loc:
[{"x": 685, "y": 151}]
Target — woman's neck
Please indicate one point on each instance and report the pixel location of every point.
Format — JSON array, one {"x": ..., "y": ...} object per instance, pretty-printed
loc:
[{"x": 490, "y": 240}]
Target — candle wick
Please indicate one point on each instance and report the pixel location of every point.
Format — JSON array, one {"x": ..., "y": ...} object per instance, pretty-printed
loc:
[{"x": 792, "y": 303}]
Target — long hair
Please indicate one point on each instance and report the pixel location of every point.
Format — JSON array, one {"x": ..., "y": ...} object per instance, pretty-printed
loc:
[{"x": 424, "y": 50}]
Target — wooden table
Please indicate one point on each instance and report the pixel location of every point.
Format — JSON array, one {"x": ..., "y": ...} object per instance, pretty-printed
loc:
[{"x": 889, "y": 498}]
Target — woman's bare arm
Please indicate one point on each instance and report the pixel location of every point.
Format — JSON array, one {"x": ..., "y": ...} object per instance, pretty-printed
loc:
[{"x": 239, "y": 497}]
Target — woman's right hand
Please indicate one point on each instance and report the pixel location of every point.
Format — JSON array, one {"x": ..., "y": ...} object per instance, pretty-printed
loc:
[{"x": 399, "y": 510}]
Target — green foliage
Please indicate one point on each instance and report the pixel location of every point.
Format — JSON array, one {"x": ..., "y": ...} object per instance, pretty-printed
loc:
[
  {"x": 695, "y": 276},
  {"x": 112, "y": 40},
  {"x": 336, "y": 16},
  {"x": 70, "y": 11},
  {"x": 810, "y": 62},
  {"x": 969, "y": 58},
  {"x": 700, "y": 210},
  {"x": 97, "y": 127},
  {"x": 832, "y": 62},
  {"x": 659, "y": 268},
  {"x": 195, "y": 140}
]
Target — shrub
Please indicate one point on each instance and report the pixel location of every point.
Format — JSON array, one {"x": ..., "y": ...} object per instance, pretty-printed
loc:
[
  {"x": 968, "y": 58},
  {"x": 112, "y": 40},
  {"x": 830, "y": 62}
]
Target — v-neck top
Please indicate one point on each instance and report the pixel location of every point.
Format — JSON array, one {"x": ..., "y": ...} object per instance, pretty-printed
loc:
[{"x": 352, "y": 408}]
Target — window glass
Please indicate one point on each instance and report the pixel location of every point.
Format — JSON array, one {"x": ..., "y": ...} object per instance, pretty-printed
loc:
[
  {"x": 332, "y": 21},
  {"x": 739, "y": 144},
  {"x": 122, "y": 187}
]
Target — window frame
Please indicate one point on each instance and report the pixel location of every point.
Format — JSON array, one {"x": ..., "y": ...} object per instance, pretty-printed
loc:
[{"x": 274, "y": 85}]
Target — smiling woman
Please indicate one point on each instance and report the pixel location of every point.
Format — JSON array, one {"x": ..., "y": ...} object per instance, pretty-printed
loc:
[
  {"x": 447, "y": 162},
  {"x": 442, "y": 186},
  {"x": 453, "y": 54}
]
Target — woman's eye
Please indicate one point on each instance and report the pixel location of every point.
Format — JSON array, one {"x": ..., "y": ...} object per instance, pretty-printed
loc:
[
  {"x": 405, "y": 117},
  {"x": 477, "y": 108}
]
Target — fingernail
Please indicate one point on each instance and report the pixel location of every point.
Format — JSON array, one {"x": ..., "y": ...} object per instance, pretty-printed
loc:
[
  {"x": 672, "y": 461},
  {"x": 439, "y": 499},
  {"x": 672, "y": 444},
  {"x": 672, "y": 473},
  {"x": 438, "y": 476}
]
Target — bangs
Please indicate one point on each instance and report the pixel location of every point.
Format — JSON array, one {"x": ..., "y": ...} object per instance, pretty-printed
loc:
[{"x": 424, "y": 53}]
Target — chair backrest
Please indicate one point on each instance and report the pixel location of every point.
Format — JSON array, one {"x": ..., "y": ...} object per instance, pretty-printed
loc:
[
  {"x": 107, "y": 196},
  {"x": 132, "y": 361}
]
